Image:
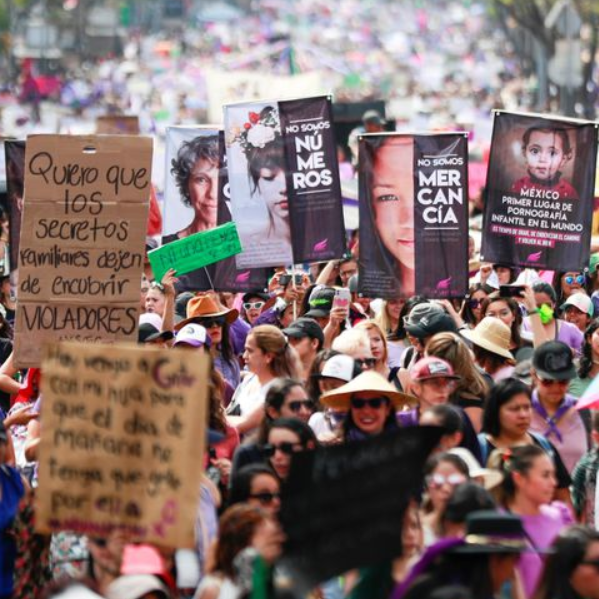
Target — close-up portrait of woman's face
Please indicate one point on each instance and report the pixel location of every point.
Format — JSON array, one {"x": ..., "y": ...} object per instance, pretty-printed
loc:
[
  {"x": 273, "y": 188},
  {"x": 203, "y": 189},
  {"x": 392, "y": 197}
]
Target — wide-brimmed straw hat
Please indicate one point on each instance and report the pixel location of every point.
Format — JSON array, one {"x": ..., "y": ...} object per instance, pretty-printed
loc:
[
  {"x": 367, "y": 384},
  {"x": 203, "y": 306},
  {"x": 490, "y": 478},
  {"x": 493, "y": 335}
]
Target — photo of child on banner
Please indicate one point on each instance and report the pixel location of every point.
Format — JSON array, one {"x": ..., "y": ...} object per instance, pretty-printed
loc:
[
  {"x": 413, "y": 215},
  {"x": 540, "y": 190},
  {"x": 196, "y": 200},
  {"x": 285, "y": 189}
]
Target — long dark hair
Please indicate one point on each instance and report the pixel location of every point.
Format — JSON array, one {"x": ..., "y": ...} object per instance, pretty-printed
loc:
[
  {"x": 241, "y": 483},
  {"x": 275, "y": 398},
  {"x": 499, "y": 395},
  {"x": 467, "y": 314},
  {"x": 512, "y": 304},
  {"x": 587, "y": 286},
  {"x": 586, "y": 358},
  {"x": 569, "y": 549}
]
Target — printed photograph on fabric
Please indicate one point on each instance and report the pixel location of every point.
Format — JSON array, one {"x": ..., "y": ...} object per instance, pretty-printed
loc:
[
  {"x": 387, "y": 257},
  {"x": 257, "y": 178},
  {"x": 539, "y": 191}
]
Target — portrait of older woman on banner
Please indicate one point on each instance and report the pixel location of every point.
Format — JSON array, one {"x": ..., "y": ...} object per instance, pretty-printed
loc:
[
  {"x": 387, "y": 213},
  {"x": 257, "y": 169},
  {"x": 196, "y": 173}
]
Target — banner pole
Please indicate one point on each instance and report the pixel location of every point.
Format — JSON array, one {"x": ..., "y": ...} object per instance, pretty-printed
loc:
[{"x": 295, "y": 289}]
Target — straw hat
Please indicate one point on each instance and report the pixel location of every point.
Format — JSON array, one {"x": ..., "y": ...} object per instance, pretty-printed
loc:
[
  {"x": 490, "y": 478},
  {"x": 204, "y": 306},
  {"x": 493, "y": 335},
  {"x": 368, "y": 383}
]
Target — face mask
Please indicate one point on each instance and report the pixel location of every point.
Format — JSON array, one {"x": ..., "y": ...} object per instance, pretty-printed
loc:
[{"x": 546, "y": 314}]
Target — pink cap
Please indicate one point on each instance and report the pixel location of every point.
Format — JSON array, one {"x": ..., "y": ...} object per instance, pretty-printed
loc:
[
  {"x": 142, "y": 559},
  {"x": 432, "y": 368}
]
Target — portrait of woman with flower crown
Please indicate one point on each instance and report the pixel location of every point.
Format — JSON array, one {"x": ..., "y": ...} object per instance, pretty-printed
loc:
[{"x": 264, "y": 226}]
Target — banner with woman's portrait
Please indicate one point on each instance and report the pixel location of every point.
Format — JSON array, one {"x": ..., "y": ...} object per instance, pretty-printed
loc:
[
  {"x": 540, "y": 190},
  {"x": 284, "y": 181},
  {"x": 413, "y": 215},
  {"x": 196, "y": 199}
]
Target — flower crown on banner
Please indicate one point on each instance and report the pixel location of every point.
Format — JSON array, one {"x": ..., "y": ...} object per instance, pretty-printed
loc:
[{"x": 259, "y": 130}]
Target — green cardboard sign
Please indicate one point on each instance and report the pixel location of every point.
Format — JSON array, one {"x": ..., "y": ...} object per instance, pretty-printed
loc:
[{"x": 197, "y": 250}]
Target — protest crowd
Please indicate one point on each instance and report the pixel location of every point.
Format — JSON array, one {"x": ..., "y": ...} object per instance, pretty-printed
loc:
[{"x": 407, "y": 409}]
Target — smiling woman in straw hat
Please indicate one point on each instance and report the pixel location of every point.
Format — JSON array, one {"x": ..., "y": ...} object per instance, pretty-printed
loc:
[
  {"x": 491, "y": 340},
  {"x": 371, "y": 402}
]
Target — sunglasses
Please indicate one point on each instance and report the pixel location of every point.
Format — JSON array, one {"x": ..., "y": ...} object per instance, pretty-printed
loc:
[
  {"x": 436, "y": 481},
  {"x": 266, "y": 497},
  {"x": 550, "y": 382},
  {"x": 473, "y": 303},
  {"x": 253, "y": 305},
  {"x": 365, "y": 362},
  {"x": 296, "y": 406},
  {"x": 269, "y": 449},
  {"x": 375, "y": 402},
  {"x": 579, "y": 279},
  {"x": 591, "y": 562},
  {"x": 213, "y": 322}
]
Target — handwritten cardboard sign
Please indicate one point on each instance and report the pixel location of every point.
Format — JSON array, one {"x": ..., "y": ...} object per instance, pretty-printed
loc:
[
  {"x": 198, "y": 250},
  {"x": 82, "y": 240},
  {"x": 123, "y": 431},
  {"x": 343, "y": 505}
]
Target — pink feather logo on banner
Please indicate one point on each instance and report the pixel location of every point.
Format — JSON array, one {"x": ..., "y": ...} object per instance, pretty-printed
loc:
[
  {"x": 444, "y": 283},
  {"x": 243, "y": 277},
  {"x": 534, "y": 257},
  {"x": 320, "y": 246}
]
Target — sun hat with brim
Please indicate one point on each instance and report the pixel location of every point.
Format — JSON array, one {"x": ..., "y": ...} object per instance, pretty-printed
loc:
[
  {"x": 368, "y": 383},
  {"x": 493, "y": 335},
  {"x": 135, "y": 586},
  {"x": 203, "y": 306},
  {"x": 491, "y": 531},
  {"x": 581, "y": 301},
  {"x": 490, "y": 478}
]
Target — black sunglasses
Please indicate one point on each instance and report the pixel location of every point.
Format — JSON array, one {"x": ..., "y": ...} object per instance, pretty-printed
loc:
[
  {"x": 375, "y": 402},
  {"x": 474, "y": 303},
  {"x": 269, "y": 449},
  {"x": 591, "y": 562},
  {"x": 266, "y": 497},
  {"x": 365, "y": 362},
  {"x": 218, "y": 321},
  {"x": 296, "y": 406}
]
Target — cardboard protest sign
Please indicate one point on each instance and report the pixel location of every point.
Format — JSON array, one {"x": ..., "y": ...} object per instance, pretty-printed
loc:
[
  {"x": 198, "y": 250},
  {"x": 284, "y": 181},
  {"x": 14, "y": 152},
  {"x": 196, "y": 199},
  {"x": 123, "y": 432},
  {"x": 117, "y": 124},
  {"x": 343, "y": 506},
  {"x": 83, "y": 238},
  {"x": 540, "y": 190},
  {"x": 413, "y": 215}
]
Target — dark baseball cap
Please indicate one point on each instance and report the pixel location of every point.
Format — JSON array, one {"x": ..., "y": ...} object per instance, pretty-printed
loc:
[
  {"x": 553, "y": 361},
  {"x": 431, "y": 324},
  {"x": 147, "y": 333},
  {"x": 259, "y": 294},
  {"x": 373, "y": 117},
  {"x": 320, "y": 302},
  {"x": 305, "y": 327}
]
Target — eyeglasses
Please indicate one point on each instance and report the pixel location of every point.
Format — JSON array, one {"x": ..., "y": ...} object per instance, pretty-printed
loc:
[
  {"x": 253, "y": 305},
  {"x": 217, "y": 321},
  {"x": 270, "y": 449},
  {"x": 266, "y": 497},
  {"x": 550, "y": 382},
  {"x": 436, "y": 481},
  {"x": 365, "y": 362},
  {"x": 375, "y": 402},
  {"x": 579, "y": 279},
  {"x": 296, "y": 406}
]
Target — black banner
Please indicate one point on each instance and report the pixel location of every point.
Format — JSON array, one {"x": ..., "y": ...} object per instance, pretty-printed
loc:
[
  {"x": 15, "y": 171},
  {"x": 413, "y": 215},
  {"x": 314, "y": 188},
  {"x": 343, "y": 505},
  {"x": 540, "y": 190}
]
